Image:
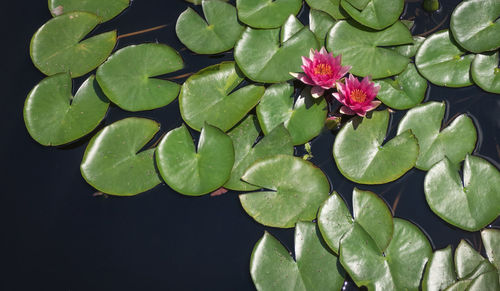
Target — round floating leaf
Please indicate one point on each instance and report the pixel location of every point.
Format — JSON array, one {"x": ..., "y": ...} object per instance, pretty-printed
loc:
[
  {"x": 296, "y": 188},
  {"x": 191, "y": 171},
  {"x": 376, "y": 14},
  {"x": 410, "y": 50},
  {"x": 209, "y": 96},
  {"x": 246, "y": 152},
  {"x": 370, "y": 213},
  {"x": 454, "y": 142},
  {"x": 405, "y": 91},
  {"x": 264, "y": 58},
  {"x": 439, "y": 272},
  {"x": 265, "y": 13},
  {"x": 475, "y": 25},
  {"x": 316, "y": 268},
  {"x": 491, "y": 242},
  {"x": 366, "y": 51},
  {"x": 56, "y": 47},
  {"x": 320, "y": 24},
  {"x": 360, "y": 156},
  {"x": 442, "y": 62},
  {"x": 332, "y": 7},
  {"x": 112, "y": 164},
  {"x": 486, "y": 281},
  {"x": 106, "y": 10},
  {"x": 398, "y": 268},
  {"x": 471, "y": 205},
  {"x": 54, "y": 117},
  {"x": 467, "y": 259},
  {"x": 217, "y": 34},
  {"x": 486, "y": 73},
  {"x": 126, "y": 77},
  {"x": 303, "y": 118}
]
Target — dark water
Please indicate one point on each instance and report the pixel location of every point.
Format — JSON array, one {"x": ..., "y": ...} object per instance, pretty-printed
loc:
[{"x": 57, "y": 236}]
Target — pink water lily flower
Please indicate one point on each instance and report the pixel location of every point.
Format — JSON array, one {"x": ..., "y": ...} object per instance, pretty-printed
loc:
[
  {"x": 357, "y": 97},
  {"x": 321, "y": 70}
]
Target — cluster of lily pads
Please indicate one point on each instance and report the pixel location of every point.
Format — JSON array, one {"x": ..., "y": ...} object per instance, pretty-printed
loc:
[{"x": 250, "y": 115}]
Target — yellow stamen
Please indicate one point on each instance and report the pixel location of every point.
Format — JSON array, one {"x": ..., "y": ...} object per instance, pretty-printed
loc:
[
  {"x": 358, "y": 95},
  {"x": 323, "y": 69}
]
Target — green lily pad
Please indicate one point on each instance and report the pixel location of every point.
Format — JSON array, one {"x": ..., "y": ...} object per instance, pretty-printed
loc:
[
  {"x": 246, "y": 152},
  {"x": 106, "y": 10},
  {"x": 486, "y": 73},
  {"x": 295, "y": 190},
  {"x": 400, "y": 267},
  {"x": 304, "y": 118},
  {"x": 332, "y": 7},
  {"x": 366, "y": 51},
  {"x": 316, "y": 268},
  {"x": 475, "y": 25},
  {"x": 454, "y": 142},
  {"x": 54, "y": 117},
  {"x": 126, "y": 77},
  {"x": 198, "y": 2},
  {"x": 217, "y": 34},
  {"x": 112, "y": 162},
  {"x": 405, "y": 91},
  {"x": 208, "y": 96},
  {"x": 472, "y": 270},
  {"x": 265, "y": 13},
  {"x": 320, "y": 24},
  {"x": 409, "y": 50},
  {"x": 439, "y": 272},
  {"x": 376, "y": 14},
  {"x": 369, "y": 211},
  {"x": 262, "y": 57},
  {"x": 191, "y": 171},
  {"x": 470, "y": 205},
  {"x": 441, "y": 61},
  {"x": 57, "y": 46},
  {"x": 361, "y": 157}
]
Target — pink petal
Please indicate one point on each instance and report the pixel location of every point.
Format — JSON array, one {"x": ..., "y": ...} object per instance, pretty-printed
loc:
[
  {"x": 373, "y": 105},
  {"x": 306, "y": 61},
  {"x": 317, "y": 91},
  {"x": 346, "y": 110},
  {"x": 306, "y": 80}
]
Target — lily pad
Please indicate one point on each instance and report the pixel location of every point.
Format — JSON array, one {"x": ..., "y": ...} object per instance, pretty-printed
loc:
[
  {"x": 247, "y": 152},
  {"x": 320, "y": 24},
  {"x": 486, "y": 73},
  {"x": 209, "y": 96},
  {"x": 441, "y": 61},
  {"x": 454, "y": 142},
  {"x": 265, "y": 13},
  {"x": 191, "y": 171},
  {"x": 217, "y": 34},
  {"x": 400, "y": 267},
  {"x": 57, "y": 46},
  {"x": 405, "y": 91},
  {"x": 295, "y": 189},
  {"x": 54, "y": 117},
  {"x": 262, "y": 57},
  {"x": 304, "y": 118},
  {"x": 113, "y": 162},
  {"x": 370, "y": 213},
  {"x": 366, "y": 51},
  {"x": 470, "y": 205},
  {"x": 106, "y": 10},
  {"x": 472, "y": 270},
  {"x": 410, "y": 50},
  {"x": 127, "y": 76},
  {"x": 361, "y": 157},
  {"x": 316, "y": 268},
  {"x": 475, "y": 25},
  {"x": 198, "y": 2},
  {"x": 376, "y": 14},
  {"x": 332, "y": 7}
]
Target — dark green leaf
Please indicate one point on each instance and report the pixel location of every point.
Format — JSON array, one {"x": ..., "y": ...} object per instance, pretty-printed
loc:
[
  {"x": 126, "y": 77},
  {"x": 54, "y": 117},
  {"x": 265, "y": 13},
  {"x": 486, "y": 73},
  {"x": 409, "y": 50},
  {"x": 376, "y": 14},
  {"x": 320, "y": 23},
  {"x": 192, "y": 171},
  {"x": 104, "y": 9},
  {"x": 331, "y": 7},
  {"x": 57, "y": 46}
]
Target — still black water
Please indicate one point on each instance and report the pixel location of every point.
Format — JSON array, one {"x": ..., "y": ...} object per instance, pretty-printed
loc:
[{"x": 57, "y": 236}]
